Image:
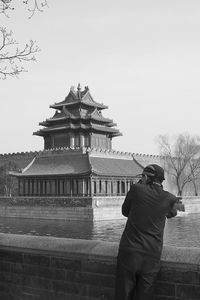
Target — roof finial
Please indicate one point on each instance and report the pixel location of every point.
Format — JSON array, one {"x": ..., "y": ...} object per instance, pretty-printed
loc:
[
  {"x": 72, "y": 89},
  {"x": 79, "y": 91}
]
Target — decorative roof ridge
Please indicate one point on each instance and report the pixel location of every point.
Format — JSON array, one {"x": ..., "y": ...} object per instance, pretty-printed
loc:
[
  {"x": 98, "y": 152},
  {"x": 147, "y": 155},
  {"x": 80, "y": 95},
  {"x": 26, "y": 153},
  {"x": 29, "y": 165},
  {"x": 63, "y": 150},
  {"x": 85, "y": 92},
  {"x": 83, "y": 149}
]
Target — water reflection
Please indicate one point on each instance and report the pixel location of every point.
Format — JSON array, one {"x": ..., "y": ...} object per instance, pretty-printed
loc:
[{"x": 180, "y": 231}]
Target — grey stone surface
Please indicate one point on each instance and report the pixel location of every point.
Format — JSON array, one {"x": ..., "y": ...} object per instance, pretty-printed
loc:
[{"x": 105, "y": 250}]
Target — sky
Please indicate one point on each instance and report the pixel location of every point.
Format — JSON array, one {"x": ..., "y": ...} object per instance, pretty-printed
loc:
[{"x": 141, "y": 58}]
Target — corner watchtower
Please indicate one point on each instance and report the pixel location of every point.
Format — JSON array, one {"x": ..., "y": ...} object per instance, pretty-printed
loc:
[{"x": 78, "y": 122}]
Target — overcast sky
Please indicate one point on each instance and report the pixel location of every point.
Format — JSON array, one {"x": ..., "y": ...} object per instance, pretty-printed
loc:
[{"x": 139, "y": 57}]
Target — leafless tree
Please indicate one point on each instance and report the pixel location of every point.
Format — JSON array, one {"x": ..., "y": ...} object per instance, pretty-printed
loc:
[
  {"x": 33, "y": 5},
  {"x": 13, "y": 56},
  {"x": 8, "y": 184},
  {"x": 182, "y": 159}
]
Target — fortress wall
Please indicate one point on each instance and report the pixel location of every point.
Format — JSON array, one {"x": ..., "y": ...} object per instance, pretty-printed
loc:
[
  {"x": 24, "y": 158},
  {"x": 21, "y": 159},
  {"x": 74, "y": 208},
  {"x": 62, "y": 208},
  {"x": 46, "y": 268}
]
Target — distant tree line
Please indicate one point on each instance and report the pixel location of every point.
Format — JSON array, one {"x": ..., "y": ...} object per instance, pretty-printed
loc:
[
  {"x": 181, "y": 158},
  {"x": 8, "y": 184}
]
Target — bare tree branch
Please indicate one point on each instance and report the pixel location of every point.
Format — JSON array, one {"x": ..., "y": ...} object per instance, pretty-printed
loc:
[
  {"x": 182, "y": 159},
  {"x": 33, "y": 6},
  {"x": 12, "y": 57},
  {"x": 37, "y": 6}
]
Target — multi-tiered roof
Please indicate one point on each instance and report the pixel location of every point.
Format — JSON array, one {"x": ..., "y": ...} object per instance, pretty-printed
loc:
[
  {"x": 78, "y": 115},
  {"x": 78, "y": 159}
]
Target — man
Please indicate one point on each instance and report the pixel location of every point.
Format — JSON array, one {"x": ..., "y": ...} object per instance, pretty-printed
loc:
[{"x": 146, "y": 205}]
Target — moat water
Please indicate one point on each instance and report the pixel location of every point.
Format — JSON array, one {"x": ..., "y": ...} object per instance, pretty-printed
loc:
[{"x": 181, "y": 231}]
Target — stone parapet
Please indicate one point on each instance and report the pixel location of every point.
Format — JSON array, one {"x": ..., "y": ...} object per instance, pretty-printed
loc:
[{"x": 54, "y": 268}]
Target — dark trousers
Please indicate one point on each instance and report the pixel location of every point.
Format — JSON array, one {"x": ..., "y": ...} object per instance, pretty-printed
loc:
[{"x": 135, "y": 277}]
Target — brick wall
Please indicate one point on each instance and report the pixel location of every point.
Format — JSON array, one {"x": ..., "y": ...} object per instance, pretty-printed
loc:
[{"x": 51, "y": 268}]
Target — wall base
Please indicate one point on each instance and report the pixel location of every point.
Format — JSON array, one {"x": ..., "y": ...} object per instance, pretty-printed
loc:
[
  {"x": 45, "y": 268},
  {"x": 62, "y": 208},
  {"x": 74, "y": 208}
]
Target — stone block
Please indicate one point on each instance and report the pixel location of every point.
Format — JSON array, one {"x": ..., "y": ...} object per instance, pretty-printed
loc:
[
  {"x": 5, "y": 266},
  {"x": 99, "y": 267},
  {"x": 100, "y": 292},
  {"x": 34, "y": 259},
  {"x": 91, "y": 278},
  {"x": 165, "y": 289},
  {"x": 188, "y": 291},
  {"x": 11, "y": 256},
  {"x": 67, "y": 264},
  {"x": 44, "y": 272},
  {"x": 40, "y": 283},
  {"x": 69, "y": 287},
  {"x": 179, "y": 275}
]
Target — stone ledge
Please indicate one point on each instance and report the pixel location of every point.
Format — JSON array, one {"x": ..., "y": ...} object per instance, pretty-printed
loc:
[{"x": 91, "y": 248}]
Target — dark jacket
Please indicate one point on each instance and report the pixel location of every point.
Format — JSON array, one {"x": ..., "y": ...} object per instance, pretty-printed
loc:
[{"x": 146, "y": 207}]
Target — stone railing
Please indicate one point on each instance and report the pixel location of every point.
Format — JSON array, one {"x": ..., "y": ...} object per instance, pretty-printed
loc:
[{"x": 54, "y": 268}]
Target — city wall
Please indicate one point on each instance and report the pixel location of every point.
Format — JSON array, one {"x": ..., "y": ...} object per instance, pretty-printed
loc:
[
  {"x": 46, "y": 268},
  {"x": 75, "y": 208},
  {"x": 62, "y": 208},
  {"x": 21, "y": 159}
]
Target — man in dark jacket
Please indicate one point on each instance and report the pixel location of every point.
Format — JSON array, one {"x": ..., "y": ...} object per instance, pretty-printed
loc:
[{"x": 146, "y": 205}]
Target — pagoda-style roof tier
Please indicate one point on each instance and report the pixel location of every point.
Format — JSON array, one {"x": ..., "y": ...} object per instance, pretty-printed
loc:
[
  {"x": 76, "y": 97},
  {"x": 81, "y": 162},
  {"x": 78, "y": 113},
  {"x": 77, "y": 127},
  {"x": 63, "y": 118}
]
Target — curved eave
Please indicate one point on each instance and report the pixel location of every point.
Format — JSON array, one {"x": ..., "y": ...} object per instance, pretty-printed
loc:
[
  {"x": 117, "y": 134},
  {"x": 39, "y": 133},
  {"x": 49, "y": 121},
  {"x": 95, "y": 104},
  {"x": 108, "y": 130},
  {"x": 21, "y": 175},
  {"x": 96, "y": 173}
]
